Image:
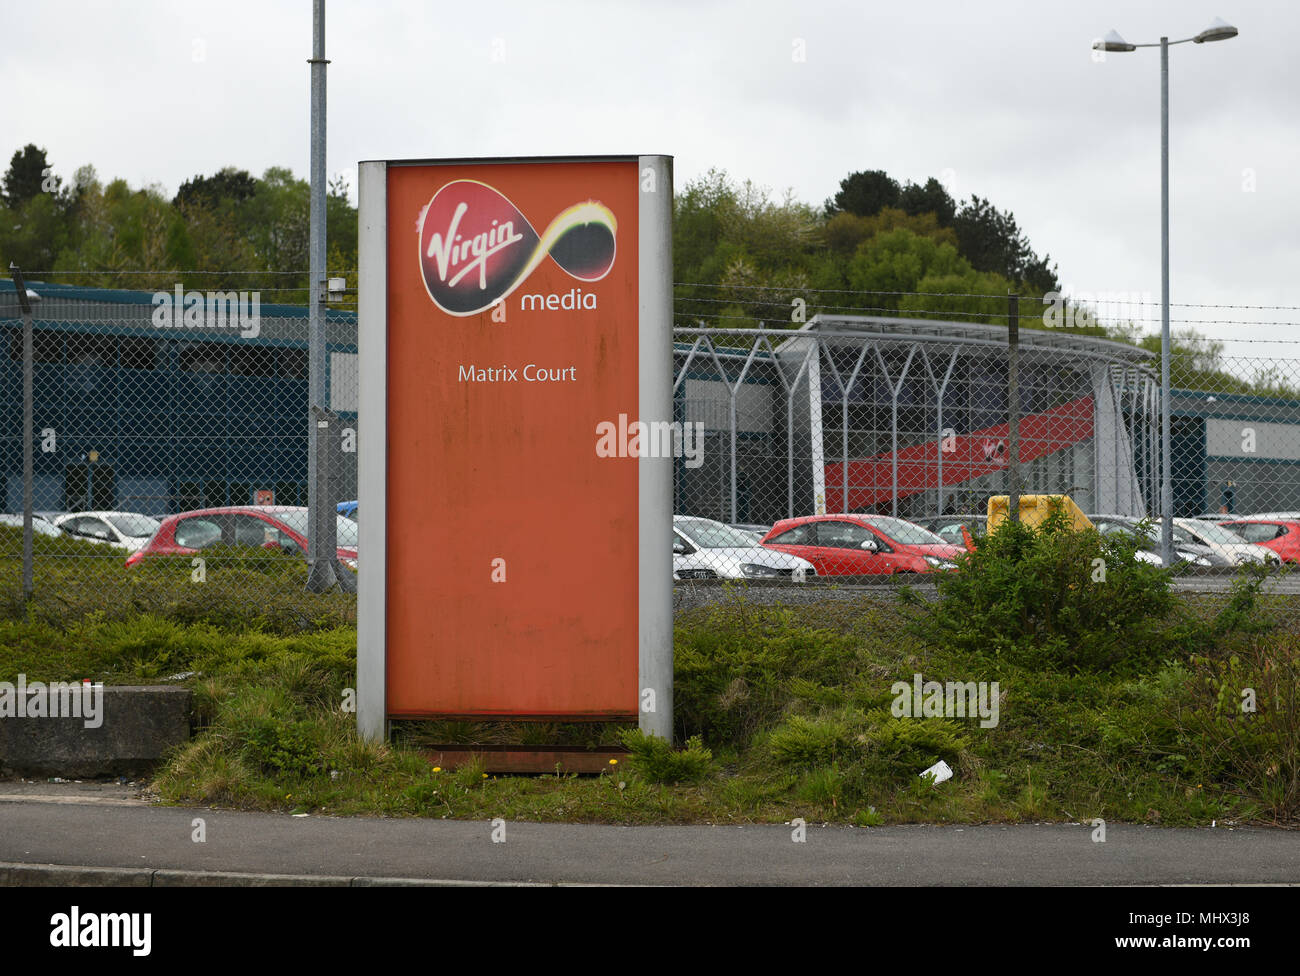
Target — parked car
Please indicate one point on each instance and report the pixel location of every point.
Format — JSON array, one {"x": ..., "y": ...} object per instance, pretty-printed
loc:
[
  {"x": 267, "y": 527},
  {"x": 1222, "y": 540},
  {"x": 1280, "y": 535},
  {"x": 705, "y": 549},
  {"x": 1185, "y": 551},
  {"x": 757, "y": 531},
  {"x": 948, "y": 527},
  {"x": 40, "y": 524},
  {"x": 125, "y": 530},
  {"x": 862, "y": 545}
]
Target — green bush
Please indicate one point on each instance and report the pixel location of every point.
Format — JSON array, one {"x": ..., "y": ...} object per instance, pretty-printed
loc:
[
  {"x": 1056, "y": 598},
  {"x": 1243, "y": 729},
  {"x": 75, "y": 580},
  {"x": 655, "y": 758},
  {"x": 734, "y": 666},
  {"x": 899, "y": 748},
  {"x": 278, "y": 746},
  {"x": 802, "y": 741}
]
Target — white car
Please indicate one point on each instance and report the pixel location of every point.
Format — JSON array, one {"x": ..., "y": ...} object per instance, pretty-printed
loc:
[
  {"x": 40, "y": 524},
  {"x": 705, "y": 549},
  {"x": 1221, "y": 540},
  {"x": 124, "y": 530}
]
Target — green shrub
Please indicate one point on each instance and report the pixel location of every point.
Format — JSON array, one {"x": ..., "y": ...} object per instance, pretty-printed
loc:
[
  {"x": 1055, "y": 598},
  {"x": 826, "y": 786},
  {"x": 804, "y": 741},
  {"x": 278, "y": 746},
  {"x": 734, "y": 666},
  {"x": 75, "y": 580},
  {"x": 1243, "y": 729},
  {"x": 894, "y": 748},
  {"x": 654, "y": 758}
]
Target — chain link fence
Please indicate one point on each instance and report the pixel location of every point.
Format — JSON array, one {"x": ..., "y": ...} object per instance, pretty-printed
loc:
[
  {"x": 866, "y": 448},
  {"x": 170, "y": 463},
  {"x": 170, "y": 446}
]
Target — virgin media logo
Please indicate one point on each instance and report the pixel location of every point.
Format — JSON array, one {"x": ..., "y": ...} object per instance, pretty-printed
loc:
[{"x": 476, "y": 247}]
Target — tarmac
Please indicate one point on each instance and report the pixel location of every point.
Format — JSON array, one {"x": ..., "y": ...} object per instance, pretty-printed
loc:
[{"x": 111, "y": 834}]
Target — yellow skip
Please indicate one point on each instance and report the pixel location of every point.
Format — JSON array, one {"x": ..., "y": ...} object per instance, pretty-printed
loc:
[{"x": 1035, "y": 509}]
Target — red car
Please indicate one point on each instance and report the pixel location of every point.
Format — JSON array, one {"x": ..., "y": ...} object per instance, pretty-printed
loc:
[
  {"x": 862, "y": 545},
  {"x": 1280, "y": 535},
  {"x": 272, "y": 527}
]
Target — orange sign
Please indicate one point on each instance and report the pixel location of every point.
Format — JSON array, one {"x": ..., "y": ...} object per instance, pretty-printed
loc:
[{"x": 511, "y": 545}]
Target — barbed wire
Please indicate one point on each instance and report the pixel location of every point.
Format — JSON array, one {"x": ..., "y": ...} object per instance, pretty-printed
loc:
[
  {"x": 1022, "y": 316},
  {"x": 688, "y": 301},
  {"x": 163, "y": 271},
  {"x": 1003, "y": 296},
  {"x": 769, "y": 288}
]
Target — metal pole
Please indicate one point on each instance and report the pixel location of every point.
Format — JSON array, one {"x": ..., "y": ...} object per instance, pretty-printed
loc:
[
  {"x": 28, "y": 431},
  {"x": 731, "y": 414},
  {"x": 1166, "y": 458},
  {"x": 938, "y": 479},
  {"x": 789, "y": 453},
  {"x": 941, "y": 390},
  {"x": 321, "y": 547},
  {"x": 1013, "y": 407}
]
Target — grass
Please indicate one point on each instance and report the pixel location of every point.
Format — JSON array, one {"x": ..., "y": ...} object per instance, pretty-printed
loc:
[{"x": 787, "y": 709}]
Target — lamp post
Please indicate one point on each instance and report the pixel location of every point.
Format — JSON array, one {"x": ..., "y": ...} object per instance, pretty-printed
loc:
[{"x": 1217, "y": 31}]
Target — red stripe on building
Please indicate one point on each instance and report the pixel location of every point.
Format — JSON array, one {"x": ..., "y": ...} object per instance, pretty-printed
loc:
[{"x": 968, "y": 456}]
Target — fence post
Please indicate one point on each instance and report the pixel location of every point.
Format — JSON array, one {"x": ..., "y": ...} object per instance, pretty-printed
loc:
[
  {"x": 1013, "y": 406},
  {"x": 28, "y": 424}
]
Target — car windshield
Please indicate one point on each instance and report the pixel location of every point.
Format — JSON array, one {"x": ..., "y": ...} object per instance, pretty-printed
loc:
[
  {"x": 131, "y": 524},
  {"x": 346, "y": 530},
  {"x": 1217, "y": 534},
  {"x": 713, "y": 535},
  {"x": 906, "y": 532}
]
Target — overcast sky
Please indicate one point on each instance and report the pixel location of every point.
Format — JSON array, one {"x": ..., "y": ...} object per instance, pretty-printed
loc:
[{"x": 1002, "y": 99}]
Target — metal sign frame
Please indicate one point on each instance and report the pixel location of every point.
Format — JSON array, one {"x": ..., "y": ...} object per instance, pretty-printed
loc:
[{"x": 654, "y": 474}]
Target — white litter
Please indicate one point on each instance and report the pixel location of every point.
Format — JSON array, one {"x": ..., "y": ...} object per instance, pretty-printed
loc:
[{"x": 940, "y": 771}]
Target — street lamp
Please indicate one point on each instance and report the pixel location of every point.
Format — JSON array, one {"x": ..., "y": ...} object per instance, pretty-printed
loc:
[{"x": 1217, "y": 31}]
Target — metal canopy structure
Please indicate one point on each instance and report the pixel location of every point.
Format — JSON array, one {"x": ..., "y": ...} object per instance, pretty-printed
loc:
[{"x": 908, "y": 416}]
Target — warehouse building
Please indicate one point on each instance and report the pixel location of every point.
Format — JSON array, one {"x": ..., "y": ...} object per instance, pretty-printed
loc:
[{"x": 136, "y": 413}]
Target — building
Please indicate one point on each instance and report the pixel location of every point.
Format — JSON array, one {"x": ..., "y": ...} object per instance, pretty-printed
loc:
[
  {"x": 909, "y": 417},
  {"x": 137, "y": 416}
]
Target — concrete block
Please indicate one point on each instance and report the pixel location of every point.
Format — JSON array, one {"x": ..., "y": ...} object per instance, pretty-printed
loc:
[{"x": 123, "y": 733}]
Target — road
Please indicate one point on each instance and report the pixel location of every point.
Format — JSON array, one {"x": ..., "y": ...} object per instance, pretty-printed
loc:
[{"x": 104, "y": 827}]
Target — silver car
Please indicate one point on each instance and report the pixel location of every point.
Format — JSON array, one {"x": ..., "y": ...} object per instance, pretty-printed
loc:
[
  {"x": 124, "y": 530},
  {"x": 1222, "y": 541}
]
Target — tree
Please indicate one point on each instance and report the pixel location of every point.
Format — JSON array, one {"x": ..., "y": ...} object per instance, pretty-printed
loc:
[
  {"x": 32, "y": 234},
  {"x": 865, "y": 194},
  {"x": 845, "y": 232},
  {"x": 894, "y": 262},
  {"x": 26, "y": 177},
  {"x": 932, "y": 198},
  {"x": 992, "y": 241},
  {"x": 230, "y": 185}
]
